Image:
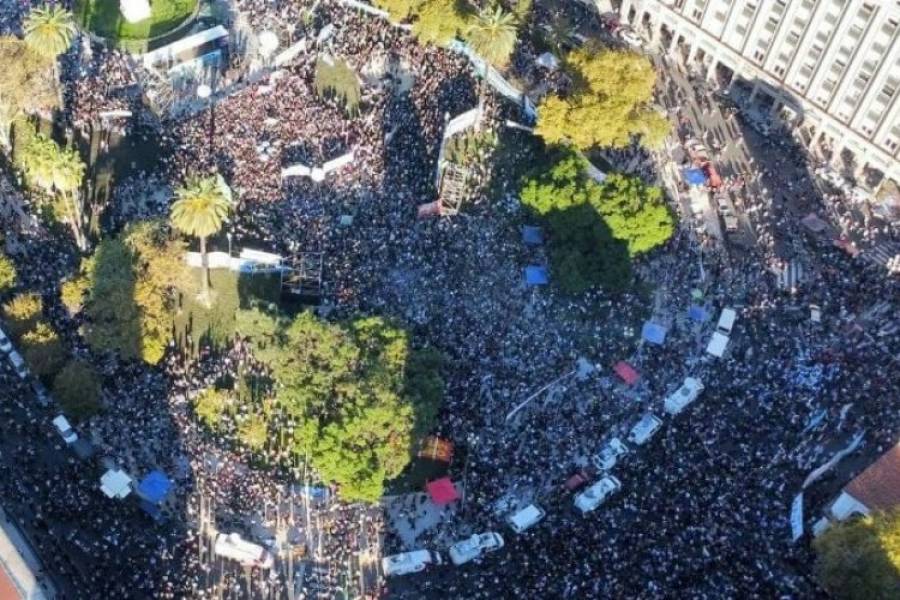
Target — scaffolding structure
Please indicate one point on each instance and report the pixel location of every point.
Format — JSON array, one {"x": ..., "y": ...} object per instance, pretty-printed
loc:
[{"x": 302, "y": 276}]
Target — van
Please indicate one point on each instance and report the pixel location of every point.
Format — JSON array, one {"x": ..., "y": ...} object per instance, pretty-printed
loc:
[
  {"x": 409, "y": 562},
  {"x": 5, "y": 344},
  {"x": 61, "y": 423},
  {"x": 726, "y": 321},
  {"x": 233, "y": 546},
  {"x": 18, "y": 364},
  {"x": 644, "y": 429},
  {"x": 527, "y": 517}
]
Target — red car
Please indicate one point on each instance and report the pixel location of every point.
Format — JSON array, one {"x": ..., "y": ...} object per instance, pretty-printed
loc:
[{"x": 578, "y": 479}]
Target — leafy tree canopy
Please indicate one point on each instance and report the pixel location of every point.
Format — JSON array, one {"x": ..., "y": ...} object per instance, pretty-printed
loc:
[
  {"x": 596, "y": 228},
  {"x": 8, "y": 275},
  {"x": 610, "y": 104},
  {"x": 130, "y": 282},
  {"x": 22, "y": 313},
  {"x": 77, "y": 388},
  {"x": 860, "y": 559},
  {"x": 357, "y": 391},
  {"x": 335, "y": 78},
  {"x": 42, "y": 350},
  {"x": 28, "y": 84}
]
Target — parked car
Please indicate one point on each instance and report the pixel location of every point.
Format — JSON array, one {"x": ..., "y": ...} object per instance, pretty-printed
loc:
[
  {"x": 233, "y": 546},
  {"x": 409, "y": 562},
  {"x": 61, "y": 423},
  {"x": 472, "y": 547},
  {"x": 18, "y": 364},
  {"x": 631, "y": 38},
  {"x": 684, "y": 395},
  {"x": 644, "y": 429},
  {"x": 525, "y": 518},
  {"x": 577, "y": 480},
  {"x": 40, "y": 391},
  {"x": 5, "y": 344},
  {"x": 595, "y": 495},
  {"x": 609, "y": 455}
]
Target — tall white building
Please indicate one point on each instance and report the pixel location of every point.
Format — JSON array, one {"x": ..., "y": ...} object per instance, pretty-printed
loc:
[{"x": 834, "y": 65}]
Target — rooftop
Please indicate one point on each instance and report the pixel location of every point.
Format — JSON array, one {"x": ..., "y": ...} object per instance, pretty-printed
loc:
[{"x": 878, "y": 487}]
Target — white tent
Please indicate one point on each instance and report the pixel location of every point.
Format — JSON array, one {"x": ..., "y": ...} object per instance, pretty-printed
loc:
[
  {"x": 115, "y": 483},
  {"x": 717, "y": 344}
]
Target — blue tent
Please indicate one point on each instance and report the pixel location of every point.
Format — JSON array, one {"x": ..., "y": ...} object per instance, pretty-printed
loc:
[
  {"x": 694, "y": 176},
  {"x": 154, "y": 487},
  {"x": 653, "y": 333},
  {"x": 698, "y": 313},
  {"x": 535, "y": 275},
  {"x": 532, "y": 236}
]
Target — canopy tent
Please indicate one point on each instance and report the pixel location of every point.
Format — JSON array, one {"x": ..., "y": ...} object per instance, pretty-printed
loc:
[
  {"x": 442, "y": 491},
  {"x": 115, "y": 483},
  {"x": 155, "y": 487},
  {"x": 814, "y": 223},
  {"x": 653, "y": 333},
  {"x": 694, "y": 176},
  {"x": 698, "y": 313},
  {"x": 714, "y": 180},
  {"x": 532, "y": 236},
  {"x": 535, "y": 275},
  {"x": 626, "y": 372}
]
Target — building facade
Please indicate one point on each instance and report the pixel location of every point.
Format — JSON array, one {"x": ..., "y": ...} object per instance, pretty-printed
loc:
[{"x": 831, "y": 66}]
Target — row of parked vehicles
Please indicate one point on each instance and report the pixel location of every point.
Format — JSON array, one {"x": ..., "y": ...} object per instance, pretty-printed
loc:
[
  {"x": 586, "y": 500},
  {"x": 60, "y": 422}
]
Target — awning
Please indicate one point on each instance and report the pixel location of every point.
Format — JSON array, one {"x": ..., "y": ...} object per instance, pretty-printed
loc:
[
  {"x": 698, "y": 313},
  {"x": 154, "y": 487},
  {"x": 653, "y": 332},
  {"x": 536, "y": 276},
  {"x": 626, "y": 372},
  {"x": 532, "y": 236},
  {"x": 442, "y": 491},
  {"x": 694, "y": 176},
  {"x": 115, "y": 483}
]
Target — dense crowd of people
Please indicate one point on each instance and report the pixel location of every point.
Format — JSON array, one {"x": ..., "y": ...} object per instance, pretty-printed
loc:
[{"x": 703, "y": 509}]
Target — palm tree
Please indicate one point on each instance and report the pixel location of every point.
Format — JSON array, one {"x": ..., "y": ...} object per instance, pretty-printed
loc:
[
  {"x": 49, "y": 30},
  {"x": 492, "y": 34},
  {"x": 200, "y": 207},
  {"x": 53, "y": 169}
]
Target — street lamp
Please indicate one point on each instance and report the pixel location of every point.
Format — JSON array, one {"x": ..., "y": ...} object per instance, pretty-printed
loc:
[{"x": 204, "y": 92}]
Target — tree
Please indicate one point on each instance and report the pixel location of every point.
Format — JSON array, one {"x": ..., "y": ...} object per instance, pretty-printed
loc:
[
  {"x": 357, "y": 393},
  {"x": 28, "y": 84},
  {"x": 492, "y": 35},
  {"x": 595, "y": 229},
  {"x": 42, "y": 350},
  {"x": 399, "y": 10},
  {"x": 8, "y": 275},
  {"x": 210, "y": 405},
  {"x": 860, "y": 559},
  {"x": 72, "y": 293},
  {"x": 335, "y": 78},
  {"x": 130, "y": 291},
  {"x": 60, "y": 170},
  {"x": 254, "y": 432},
  {"x": 77, "y": 389},
  {"x": 610, "y": 104},
  {"x": 438, "y": 22},
  {"x": 22, "y": 313},
  {"x": 199, "y": 210},
  {"x": 49, "y": 30}
]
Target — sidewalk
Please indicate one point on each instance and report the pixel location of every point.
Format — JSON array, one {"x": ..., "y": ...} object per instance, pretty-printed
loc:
[{"x": 19, "y": 565}]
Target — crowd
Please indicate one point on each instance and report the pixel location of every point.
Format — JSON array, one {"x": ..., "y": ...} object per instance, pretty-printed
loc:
[{"x": 703, "y": 509}]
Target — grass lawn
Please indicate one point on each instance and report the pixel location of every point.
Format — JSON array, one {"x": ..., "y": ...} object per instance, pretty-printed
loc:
[
  {"x": 104, "y": 18},
  {"x": 230, "y": 291}
]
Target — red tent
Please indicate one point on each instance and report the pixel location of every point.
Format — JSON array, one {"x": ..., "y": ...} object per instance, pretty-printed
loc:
[
  {"x": 714, "y": 180},
  {"x": 442, "y": 491},
  {"x": 626, "y": 372}
]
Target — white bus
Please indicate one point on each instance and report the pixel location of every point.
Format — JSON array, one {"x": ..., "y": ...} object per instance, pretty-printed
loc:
[{"x": 233, "y": 546}]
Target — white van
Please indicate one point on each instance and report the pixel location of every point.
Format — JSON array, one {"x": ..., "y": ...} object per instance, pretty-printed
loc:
[
  {"x": 233, "y": 546},
  {"x": 684, "y": 395},
  {"x": 18, "y": 364},
  {"x": 65, "y": 430},
  {"x": 595, "y": 495},
  {"x": 5, "y": 344},
  {"x": 527, "y": 517},
  {"x": 726, "y": 321},
  {"x": 644, "y": 429},
  {"x": 409, "y": 562}
]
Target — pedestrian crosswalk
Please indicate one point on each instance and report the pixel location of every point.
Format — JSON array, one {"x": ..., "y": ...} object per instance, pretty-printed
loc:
[
  {"x": 882, "y": 253},
  {"x": 791, "y": 276}
]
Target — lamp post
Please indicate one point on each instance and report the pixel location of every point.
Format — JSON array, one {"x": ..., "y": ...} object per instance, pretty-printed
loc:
[
  {"x": 204, "y": 92},
  {"x": 228, "y": 235}
]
